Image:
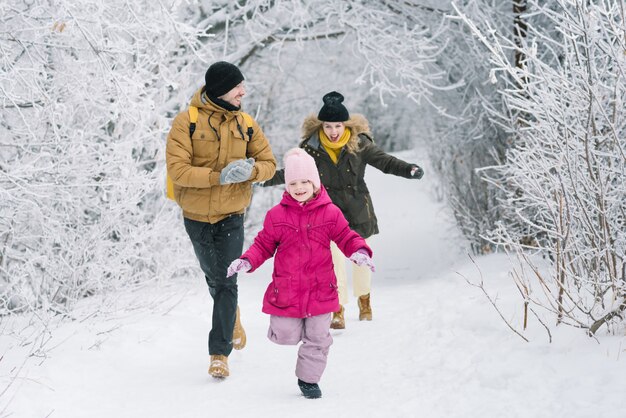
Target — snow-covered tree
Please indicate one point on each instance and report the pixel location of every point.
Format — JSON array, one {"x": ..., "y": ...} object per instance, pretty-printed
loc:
[
  {"x": 464, "y": 135},
  {"x": 84, "y": 92},
  {"x": 88, "y": 90},
  {"x": 563, "y": 178}
]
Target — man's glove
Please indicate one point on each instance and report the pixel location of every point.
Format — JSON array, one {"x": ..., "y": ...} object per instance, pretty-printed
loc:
[
  {"x": 237, "y": 171},
  {"x": 360, "y": 258},
  {"x": 417, "y": 172},
  {"x": 238, "y": 265}
]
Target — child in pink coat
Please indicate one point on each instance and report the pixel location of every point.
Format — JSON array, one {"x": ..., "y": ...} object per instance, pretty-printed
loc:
[{"x": 303, "y": 291}]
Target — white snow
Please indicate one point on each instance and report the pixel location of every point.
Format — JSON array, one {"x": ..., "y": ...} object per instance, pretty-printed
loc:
[{"x": 436, "y": 347}]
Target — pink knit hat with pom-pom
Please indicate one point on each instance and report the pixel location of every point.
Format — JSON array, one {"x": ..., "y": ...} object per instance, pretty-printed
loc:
[{"x": 300, "y": 166}]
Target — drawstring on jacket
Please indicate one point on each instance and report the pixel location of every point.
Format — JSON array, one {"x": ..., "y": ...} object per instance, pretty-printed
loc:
[{"x": 212, "y": 127}]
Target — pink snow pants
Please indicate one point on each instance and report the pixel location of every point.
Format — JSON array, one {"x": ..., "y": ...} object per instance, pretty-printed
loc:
[{"x": 314, "y": 332}]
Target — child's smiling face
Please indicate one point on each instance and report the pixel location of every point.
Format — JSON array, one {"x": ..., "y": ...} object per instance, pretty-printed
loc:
[{"x": 301, "y": 190}]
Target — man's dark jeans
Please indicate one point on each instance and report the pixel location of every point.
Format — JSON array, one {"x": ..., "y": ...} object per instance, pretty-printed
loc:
[{"x": 216, "y": 246}]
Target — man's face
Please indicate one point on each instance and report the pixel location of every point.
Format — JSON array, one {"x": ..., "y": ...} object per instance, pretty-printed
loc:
[{"x": 235, "y": 95}]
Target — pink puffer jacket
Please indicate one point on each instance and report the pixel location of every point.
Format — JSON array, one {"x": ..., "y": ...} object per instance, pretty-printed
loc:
[{"x": 303, "y": 282}]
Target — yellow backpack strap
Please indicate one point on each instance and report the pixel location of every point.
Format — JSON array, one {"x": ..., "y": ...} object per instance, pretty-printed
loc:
[
  {"x": 169, "y": 188},
  {"x": 193, "y": 118},
  {"x": 248, "y": 123}
]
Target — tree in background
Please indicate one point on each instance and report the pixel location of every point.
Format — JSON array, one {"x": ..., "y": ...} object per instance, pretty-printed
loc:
[
  {"x": 563, "y": 178},
  {"x": 88, "y": 91},
  {"x": 83, "y": 96},
  {"x": 520, "y": 104},
  {"x": 464, "y": 136}
]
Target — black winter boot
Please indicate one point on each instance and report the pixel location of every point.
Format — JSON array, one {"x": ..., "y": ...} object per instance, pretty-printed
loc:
[{"x": 309, "y": 390}]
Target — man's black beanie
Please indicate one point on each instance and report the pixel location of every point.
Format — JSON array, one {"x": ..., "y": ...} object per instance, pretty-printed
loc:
[{"x": 221, "y": 77}]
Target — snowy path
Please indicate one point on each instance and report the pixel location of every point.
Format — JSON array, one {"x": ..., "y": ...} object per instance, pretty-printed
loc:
[{"x": 435, "y": 349}]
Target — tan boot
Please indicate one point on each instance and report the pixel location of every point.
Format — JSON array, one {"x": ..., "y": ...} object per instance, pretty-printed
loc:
[
  {"x": 219, "y": 366},
  {"x": 338, "y": 321},
  {"x": 365, "y": 310},
  {"x": 239, "y": 334}
]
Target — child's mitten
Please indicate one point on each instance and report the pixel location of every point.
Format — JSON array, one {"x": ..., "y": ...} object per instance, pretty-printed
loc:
[
  {"x": 360, "y": 258},
  {"x": 237, "y": 266}
]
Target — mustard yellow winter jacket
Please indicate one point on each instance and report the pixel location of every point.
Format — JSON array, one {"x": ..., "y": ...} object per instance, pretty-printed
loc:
[{"x": 194, "y": 165}]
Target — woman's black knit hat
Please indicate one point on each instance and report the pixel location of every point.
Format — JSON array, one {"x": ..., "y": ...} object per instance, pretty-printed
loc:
[
  {"x": 333, "y": 110},
  {"x": 221, "y": 77}
]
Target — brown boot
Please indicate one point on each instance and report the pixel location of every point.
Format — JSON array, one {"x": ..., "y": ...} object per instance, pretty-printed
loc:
[
  {"x": 219, "y": 366},
  {"x": 239, "y": 334},
  {"x": 365, "y": 310},
  {"x": 338, "y": 322}
]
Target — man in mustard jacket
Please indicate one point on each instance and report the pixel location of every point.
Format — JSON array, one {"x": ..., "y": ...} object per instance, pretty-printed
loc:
[{"x": 213, "y": 172}]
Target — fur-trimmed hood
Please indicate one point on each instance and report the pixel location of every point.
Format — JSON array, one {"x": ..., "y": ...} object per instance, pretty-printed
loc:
[{"x": 357, "y": 124}]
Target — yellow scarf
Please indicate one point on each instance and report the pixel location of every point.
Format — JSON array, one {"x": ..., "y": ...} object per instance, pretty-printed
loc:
[{"x": 334, "y": 148}]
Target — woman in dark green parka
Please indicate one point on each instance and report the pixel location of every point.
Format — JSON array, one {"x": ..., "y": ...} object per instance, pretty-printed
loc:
[{"x": 342, "y": 147}]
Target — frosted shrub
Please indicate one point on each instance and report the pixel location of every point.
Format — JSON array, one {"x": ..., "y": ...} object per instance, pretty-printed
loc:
[
  {"x": 83, "y": 120},
  {"x": 88, "y": 91},
  {"x": 564, "y": 178}
]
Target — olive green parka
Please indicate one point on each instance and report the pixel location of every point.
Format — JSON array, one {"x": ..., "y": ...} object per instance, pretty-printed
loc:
[{"x": 345, "y": 181}]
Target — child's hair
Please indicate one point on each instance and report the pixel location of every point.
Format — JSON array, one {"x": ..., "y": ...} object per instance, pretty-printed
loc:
[{"x": 300, "y": 166}]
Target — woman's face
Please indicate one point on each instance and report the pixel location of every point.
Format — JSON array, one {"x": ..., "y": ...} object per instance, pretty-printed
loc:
[{"x": 333, "y": 130}]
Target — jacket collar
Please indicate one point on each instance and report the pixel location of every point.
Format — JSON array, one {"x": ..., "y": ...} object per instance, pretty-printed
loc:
[
  {"x": 314, "y": 141},
  {"x": 201, "y": 101}
]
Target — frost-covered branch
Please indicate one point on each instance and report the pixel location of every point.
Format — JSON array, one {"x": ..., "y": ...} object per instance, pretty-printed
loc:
[{"x": 563, "y": 179}]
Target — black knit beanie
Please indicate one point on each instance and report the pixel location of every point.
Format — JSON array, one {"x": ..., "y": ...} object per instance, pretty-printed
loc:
[
  {"x": 333, "y": 110},
  {"x": 221, "y": 77}
]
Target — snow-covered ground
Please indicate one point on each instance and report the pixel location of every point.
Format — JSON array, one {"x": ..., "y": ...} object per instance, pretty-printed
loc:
[{"x": 436, "y": 347}]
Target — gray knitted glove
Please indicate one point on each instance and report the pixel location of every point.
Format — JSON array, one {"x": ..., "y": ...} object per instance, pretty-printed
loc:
[{"x": 237, "y": 171}]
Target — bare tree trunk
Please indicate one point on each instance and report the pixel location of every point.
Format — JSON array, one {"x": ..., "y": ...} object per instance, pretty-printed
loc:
[{"x": 519, "y": 30}]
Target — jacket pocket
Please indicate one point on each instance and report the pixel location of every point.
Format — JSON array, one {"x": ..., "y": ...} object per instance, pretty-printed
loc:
[
  {"x": 238, "y": 143},
  {"x": 234, "y": 198},
  {"x": 279, "y": 292},
  {"x": 326, "y": 286},
  {"x": 205, "y": 147},
  {"x": 194, "y": 200}
]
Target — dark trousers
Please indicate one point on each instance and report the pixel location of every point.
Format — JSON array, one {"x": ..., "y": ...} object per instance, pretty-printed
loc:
[{"x": 216, "y": 246}]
